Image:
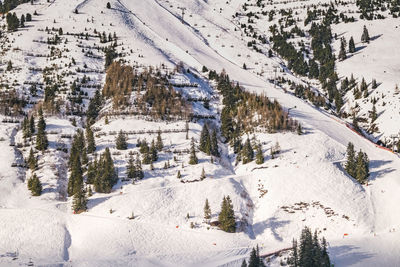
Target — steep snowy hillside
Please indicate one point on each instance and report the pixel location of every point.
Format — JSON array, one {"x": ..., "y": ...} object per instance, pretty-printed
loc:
[{"x": 58, "y": 63}]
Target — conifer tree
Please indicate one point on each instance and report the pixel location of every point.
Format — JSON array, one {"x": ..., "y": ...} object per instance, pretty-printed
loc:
[
  {"x": 91, "y": 172},
  {"x": 214, "y": 144},
  {"x": 226, "y": 217},
  {"x": 299, "y": 129},
  {"x": 259, "y": 155},
  {"x": 179, "y": 175},
  {"x": 247, "y": 152},
  {"x": 32, "y": 161},
  {"x": 121, "y": 141},
  {"x": 91, "y": 144},
  {"x": 75, "y": 181},
  {"x": 106, "y": 176},
  {"x": 244, "y": 263},
  {"x": 362, "y": 167},
  {"x": 131, "y": 168},
  {"x": 207, "y": 211},
  {"x": 351, "y": 161},
  {"x": 153, "y": 152},
  {"x": 205, "y": 141},
  {"x": 193, "y": 158},
  {"x": 365, "y": 35},
  {"x": 79, "y": 201},
  {"x": 35, "y": 185},
  {"x": 138, "y": 169},
  {"x": 32, "y": 125},
  {"x": 374, "y": 115},
  {"x": 159, "y": 144},
  {"x": 41, "y": 138},
  {"x": 352, "y": 47},
  {"x": 342, "y": 52}
]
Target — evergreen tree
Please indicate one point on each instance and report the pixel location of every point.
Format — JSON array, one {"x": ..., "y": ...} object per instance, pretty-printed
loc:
[
  {"x": 244, "y": 263},
  {"x": 153, "y": 152},
  {"x": 138, "y": 169},
  {"x": 214, "y": 144},
  {"x": 351, "y": 160},
  {"x": 205, "y": 141},
  {"x": 374, "y": 115},
  {"x": 32, "y": 125},
  {"x": 179, "y": 175},
  {"x": 254, "y": 260},
  {"x": 352, "y": 47},
  {"x": 108, "y": 5},
  {"x": 106, "y": 176},
  {"x": 41, "y": 138},
  {"x": 91, "y": 144},
  {"x": 226, "y": 217},
  {"x": 362, "y": 167},
  {"x": 342, "y": 52},
  {"x": 79, "y": 201},
  {"x": 247, "y": 152},
  {"x": 207, "y": 211},
  {"x": 193, "y": 158},
  {"x": 131, "y": 168},
  {"x": 365, "y": 35},
  {"x": 75, "y": 181},
  {"x": 121, "y": 141},
  {"x": 159, "y": 144},
  {"x": 299, "y": 129},
  {"x": 35, "y": 185},
  {"x": 32, "y": 161},
  {"x": 259, "y": 155},
  {"x": 91, "y": 172},
  {"x": 145, "y": 150}
]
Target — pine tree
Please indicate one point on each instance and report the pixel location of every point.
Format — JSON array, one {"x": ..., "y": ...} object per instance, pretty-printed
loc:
[
  {"x": 374, "y": 115},
  {"x": 91, "y": 172},
  {"x": 226, "y": 217},
  {"x": 108, "y": 5},
  {"x": 179, "y": 175},
  {"x": 106, "y": 176},
  {"x": 32, "y": 161},
  {"x": 362, "y": 167},
  {"x": 193, "y": 158},
  {"x": 254, "y": 261},
  {"x": 351, "y": 161},
  {"x": 365, "y": 35},
  {"x": 32, "y": 125},
  {"x": 41, "y": 138},
  {"x": 35, "y": 185},
  {"x": 299, "y": 129},
  {"x": 247, "y": 152},
  {"x": 76, "y": 176},
  {"x": 153, "y": 152},
  {"x": 79, "y": 201},
  {"x": 374, "y": 85},
  {"x": 259, "y": 155},
  {"x": 214, "y": 144},
  {"x": 121, "y": 141},
  {"x": 131, "y": 168},
  {"x": 159, "y": 144},
  {"x": 91, "y": 144},
  {"x": 352, "y": 47},
  {"x": 342, "y": 52},
  {"x": 138, "y": 167},
  {"x": 244, "y": 263},
  {"x": 207, "y": 211},
  {"x": 205, "y": 141}
]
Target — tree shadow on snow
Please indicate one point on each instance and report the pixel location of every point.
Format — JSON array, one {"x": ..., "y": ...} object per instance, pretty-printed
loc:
[
  {"x": 374, "y": 164},
  {"x": 348, "y": 255},
  {"x": 97, "y": 201},
  {"x": 373, "y": 38},
  {"x": 359, "y": 48},
  {"x": 273, "y": 224}
]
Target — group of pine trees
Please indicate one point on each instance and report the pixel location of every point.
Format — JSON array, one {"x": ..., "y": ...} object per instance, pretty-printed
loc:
[
  {"x": 209, "y": 143},
  {"x": 357, "y": 166},
  {"x": 226, "y": 217},
  {"x": 310, "y": 252},
  {"x": 255, "y": 260},
  {"x": 134, "y": 169}
]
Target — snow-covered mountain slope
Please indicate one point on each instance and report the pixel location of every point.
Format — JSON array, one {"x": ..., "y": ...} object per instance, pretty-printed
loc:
[{"x": 305, "y": 185}]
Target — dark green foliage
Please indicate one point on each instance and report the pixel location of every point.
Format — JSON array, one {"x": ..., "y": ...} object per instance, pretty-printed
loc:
[
  {"x": 131, "y": 168},
  {"x": 35, "y": 185},
  {"x": 311, "y": 252},
  {"x": 12, "y": 22},
  {"x": 75, "y": 181},
  {"x": 193, "y": 158},
  {"x": 153, "y": 152},
  {"x": 226, "y": 217},
  {"x": 32, "y": 161},
  {"x": 204, "y": 69},
  {"x": 159, "y": 144},
  {"x": 259, "y": 155},
  {"x": 207, "y": 211},
  {"x": 28, "y": 17},
  {"x": 110, "y": 55},
  {"x": 203, "y": 174},
  {"x": 247, "y": 152},
  {"x": 22, "y": 21},
  {"x": 94, "y": 108},
  {"x": 373, "y": 114},
  {"x": 352, "y": 47},
  {"x": 106, "y": 176},
  {"x": 214, "y": 144},
  {"x": 91, "y": 172},
  {"x": 9, "y": 65},
  {"x": 244, "y": 263},
  {"x": 365, "y": 35},
  {"x": 41, "y": 137},
  {"x": 357, "y": 166},
  {"x": 121, "y": 141},
  {"x": 205, "y": 140},
  {"x": 255, "y": 259},
  {"x": 299, "y": 129},
  {"x": 138, "y": 170},
  {"x": 108, "y": 5},
  {"x": 342, "y": 52},
  {"x": 79, "y": 201},
  {"x": 91, "y": 144}
]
